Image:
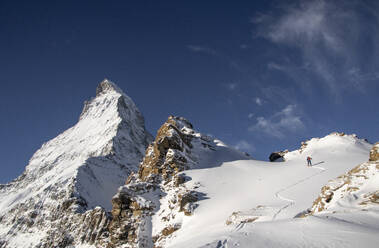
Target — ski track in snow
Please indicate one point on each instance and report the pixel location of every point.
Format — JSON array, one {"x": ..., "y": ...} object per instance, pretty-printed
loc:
[
  {"x": 292, "y": 202},
  {"x": 240, "y": 226}
]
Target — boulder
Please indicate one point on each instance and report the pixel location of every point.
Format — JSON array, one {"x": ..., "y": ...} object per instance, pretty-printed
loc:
[{"x": 277, "y": 156}]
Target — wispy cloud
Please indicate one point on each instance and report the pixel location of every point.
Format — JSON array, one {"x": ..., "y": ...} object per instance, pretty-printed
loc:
[
  {"x": 285, "y": 121},
  {"x": 212, "y": 52},
  {"x": 278, "y": 95},
  {"x": 258, "y": 101},
  {"x": 328, "y": 35},
  {"x": 358, "y": 77},
  {"x": 232, "y": 86},
  {"x": 245, "y": 146},
  {"x": 202, "y": 49}
]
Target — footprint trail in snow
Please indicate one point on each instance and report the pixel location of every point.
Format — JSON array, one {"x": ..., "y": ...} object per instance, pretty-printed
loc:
[{"x": 290, "y": 201}]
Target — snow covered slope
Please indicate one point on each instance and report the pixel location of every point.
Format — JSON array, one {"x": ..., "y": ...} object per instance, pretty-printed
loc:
[
  {"x": 78, "y": 170},
  {"x": 253, "y": 203}
]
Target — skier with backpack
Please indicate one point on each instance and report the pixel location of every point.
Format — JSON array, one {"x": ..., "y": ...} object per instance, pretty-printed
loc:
[{"x": 309, "y": 161}]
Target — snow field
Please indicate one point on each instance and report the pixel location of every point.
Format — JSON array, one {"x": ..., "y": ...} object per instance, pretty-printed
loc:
[{"x": 252, "y": 203}]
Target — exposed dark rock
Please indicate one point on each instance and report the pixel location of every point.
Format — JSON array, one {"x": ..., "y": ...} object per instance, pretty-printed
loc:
[
  {"x": 186, "y": 202},
  {"x": 106, "y": 86},
  {"x": 374, "y": 153},
  {"x": 134, "y": 204},
  {"x": 166, "y": 155},
  {"x": 169, "y": 230},
  {"x": 277, "y": 156}
]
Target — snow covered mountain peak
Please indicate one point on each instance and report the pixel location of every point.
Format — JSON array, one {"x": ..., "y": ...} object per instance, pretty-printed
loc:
[
  {"x": 110, "y": 99},
  {"x": 78, "y": 170},
  {"x": 107, "y": 86},
  {"x": 337, "y": 137},
  {"x": 107, "y": 121},
  {"x": 333, "y": 143}
]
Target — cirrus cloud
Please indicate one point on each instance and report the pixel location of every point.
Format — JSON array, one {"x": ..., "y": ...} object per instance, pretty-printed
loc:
[
  {"x": 328, "y": 36},
  {"x": 245, "y": 146},
  {"x": 280, "y": 123}
]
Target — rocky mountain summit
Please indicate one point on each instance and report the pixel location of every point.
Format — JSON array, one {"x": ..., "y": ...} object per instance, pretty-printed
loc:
[{"x": 69, "y": 182}]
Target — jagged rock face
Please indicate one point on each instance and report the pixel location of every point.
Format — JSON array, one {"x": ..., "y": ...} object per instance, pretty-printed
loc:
[
  {"x": 353, "y": 190},
  {"x": 137, "y": 201},
  {"x": 149, "y": 208},
  {"x": 168, "y": 153},
  {"x": 130, "y": 217},
  {"x": 374, "y": 153},
  {"x": 72, "y": 174}
]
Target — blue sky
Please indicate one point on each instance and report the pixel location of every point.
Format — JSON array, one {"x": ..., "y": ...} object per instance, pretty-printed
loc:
[{"x": 261, "y": 76}]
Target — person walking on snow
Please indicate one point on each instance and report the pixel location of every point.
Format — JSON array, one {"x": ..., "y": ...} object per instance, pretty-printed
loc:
[{"x": 309, "y": 161}]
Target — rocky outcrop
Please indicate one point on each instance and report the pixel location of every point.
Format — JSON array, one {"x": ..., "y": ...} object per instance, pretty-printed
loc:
[
  {"x": 169, "y": 154},
  {"x": 353, "y": 190},
  {"x": 157, "y": 183},
  {"x": 63, "y": 224},
  {"x": 374, "y": 153},
  {"x": 131, "y": 217},
  {"x": 277, "y": 156}
]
